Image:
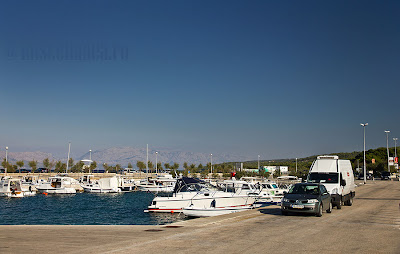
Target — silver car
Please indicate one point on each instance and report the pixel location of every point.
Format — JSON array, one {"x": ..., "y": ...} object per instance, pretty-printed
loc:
[{"x": 307, "y": 198}]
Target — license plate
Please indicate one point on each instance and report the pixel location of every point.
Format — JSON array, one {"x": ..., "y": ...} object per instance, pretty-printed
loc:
[{"x": 298, "y": 206}]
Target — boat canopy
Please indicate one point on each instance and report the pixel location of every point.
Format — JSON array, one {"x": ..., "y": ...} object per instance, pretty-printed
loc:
[{"x": 187, "y": 184}]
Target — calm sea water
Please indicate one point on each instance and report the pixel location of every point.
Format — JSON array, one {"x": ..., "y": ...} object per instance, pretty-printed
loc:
[{"x": 82, "y": 209}]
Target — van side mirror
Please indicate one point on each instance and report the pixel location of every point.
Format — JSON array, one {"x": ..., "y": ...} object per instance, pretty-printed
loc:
[{"x": 343, "y": 182}]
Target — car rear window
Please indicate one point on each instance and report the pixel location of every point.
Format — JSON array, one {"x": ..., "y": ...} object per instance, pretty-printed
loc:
[{"x": 304, "y": 189}]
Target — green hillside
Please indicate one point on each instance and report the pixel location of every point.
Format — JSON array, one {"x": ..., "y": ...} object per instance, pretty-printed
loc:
[{"x": 304, "y": 164}]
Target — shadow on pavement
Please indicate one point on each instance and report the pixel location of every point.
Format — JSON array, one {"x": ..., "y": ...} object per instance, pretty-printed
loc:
[
  {"x": 277, "y": 212},
  {"x": 379, "y": 198},
  {"x": 271, "y": 210}
]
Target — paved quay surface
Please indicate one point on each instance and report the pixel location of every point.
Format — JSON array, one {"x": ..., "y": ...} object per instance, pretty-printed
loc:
[{"x": 371, "y": 225}]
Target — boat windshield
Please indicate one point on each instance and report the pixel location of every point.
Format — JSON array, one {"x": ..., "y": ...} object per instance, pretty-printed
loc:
[
  {"x": 187, "y": 184},
  {"x": 269, "y": 186},
  {"x": 323, "y": 177}
]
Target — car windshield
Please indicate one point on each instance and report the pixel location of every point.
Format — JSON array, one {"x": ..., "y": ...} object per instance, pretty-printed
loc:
[
  {"x": 304, "y": 189},
  {"x": 323, "y": 177}
]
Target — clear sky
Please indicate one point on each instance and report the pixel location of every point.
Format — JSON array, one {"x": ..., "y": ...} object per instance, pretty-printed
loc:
[{"x": 276, "y": 78}]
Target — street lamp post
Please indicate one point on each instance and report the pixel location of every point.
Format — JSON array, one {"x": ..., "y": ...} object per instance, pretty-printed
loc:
[
  {"x": 156, "y": 163},
  {"x": 147, "y": 160},
  {"x": 296, "y": 165},
  {"x": 69, "y": 151},
  {"x": 258, "y": 163},
  {"x": 387, "y": 147},
  {"x": 364, "y": 165},
  {"x": 90, "y": 158},
  {"x": 6, "y": 166},
  {"x": 211, "y": 166}
]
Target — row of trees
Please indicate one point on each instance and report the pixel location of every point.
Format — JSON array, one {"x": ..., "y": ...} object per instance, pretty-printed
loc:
[{"x": 58, "y": 166}]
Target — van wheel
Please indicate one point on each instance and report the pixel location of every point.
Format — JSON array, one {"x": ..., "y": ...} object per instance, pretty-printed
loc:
[
  {"x": 339, "y": 204},
  {"x": 349, "y": 202},
  {"x": 319, "y": 213},
  {"x": 330, "y": 208}
]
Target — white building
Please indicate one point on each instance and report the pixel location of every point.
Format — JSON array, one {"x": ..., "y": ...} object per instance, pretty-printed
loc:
[{"x": 272, "y": 169}]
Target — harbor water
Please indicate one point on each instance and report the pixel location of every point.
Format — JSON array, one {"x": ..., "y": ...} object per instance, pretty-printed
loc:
[{"x": 83, "y": 209}]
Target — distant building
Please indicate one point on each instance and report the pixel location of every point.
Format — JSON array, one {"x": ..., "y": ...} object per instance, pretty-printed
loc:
[{"x": 271, "y": 169}]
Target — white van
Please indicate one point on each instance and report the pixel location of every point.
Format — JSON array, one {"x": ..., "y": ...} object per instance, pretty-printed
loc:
[{"x": 337, "y": 176}]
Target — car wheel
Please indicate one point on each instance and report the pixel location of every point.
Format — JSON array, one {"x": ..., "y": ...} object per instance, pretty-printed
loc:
[
  {"x": 330, "y": 208},
  {"x": 339, "y": 205},
  {"x": 349, "y": 202},
  {"x": 320, "y": 209}
]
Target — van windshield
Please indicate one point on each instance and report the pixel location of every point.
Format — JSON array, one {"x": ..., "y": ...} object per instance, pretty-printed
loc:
[{"x": 324, "y": 177}]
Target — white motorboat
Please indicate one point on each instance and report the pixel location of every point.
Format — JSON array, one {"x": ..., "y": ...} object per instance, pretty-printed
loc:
[
  {"x": 271, "y": 193},
  {"x": 126, "y": 184},
  {"x": 28, "y": 184},
  {"x": 11, "y": 188},
  {"x": 58, "y": 185},
  {"x": 197, "y": 194},
  {"x": 103, "y": 185},
  {"x": 87, "y": 179},
  {"x": 162, "y": 183}
]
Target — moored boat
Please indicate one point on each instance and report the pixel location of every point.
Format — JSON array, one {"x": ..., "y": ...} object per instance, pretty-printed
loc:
[
  {"x": 11, "y": 188},
  {"x": 197, "y": 194},
  {"x": 103, "y": 185},
  {"x": 162, "y": 183},
  {"x": 58, "y": 185}
]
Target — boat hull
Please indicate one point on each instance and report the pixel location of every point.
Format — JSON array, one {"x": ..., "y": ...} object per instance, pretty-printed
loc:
[
  {"x": 17, "y": 194},
  {"x": 95, "y": 190},
  {"x": 155, "y": 188},
  {"x": 208, "y": 212},
  {"x": 202, "y": 200},
  {"x": 57, "y": 190}
]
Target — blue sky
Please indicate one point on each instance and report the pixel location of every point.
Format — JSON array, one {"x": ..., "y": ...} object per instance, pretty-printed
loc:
[{"x": 276, "y": 78}]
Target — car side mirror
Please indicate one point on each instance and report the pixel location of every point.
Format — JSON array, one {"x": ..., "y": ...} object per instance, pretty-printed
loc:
[{"x": 343, "y": 182}]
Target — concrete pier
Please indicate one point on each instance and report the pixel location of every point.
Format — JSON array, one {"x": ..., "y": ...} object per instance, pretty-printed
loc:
[{"x": 371, "y": 225}]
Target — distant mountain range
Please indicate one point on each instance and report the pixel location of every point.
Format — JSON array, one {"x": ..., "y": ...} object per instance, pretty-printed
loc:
[{"x": 125, "y": 155}]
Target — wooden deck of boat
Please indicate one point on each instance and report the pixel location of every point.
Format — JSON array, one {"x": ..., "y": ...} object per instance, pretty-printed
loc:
[{"x": 371, "y": 225}]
